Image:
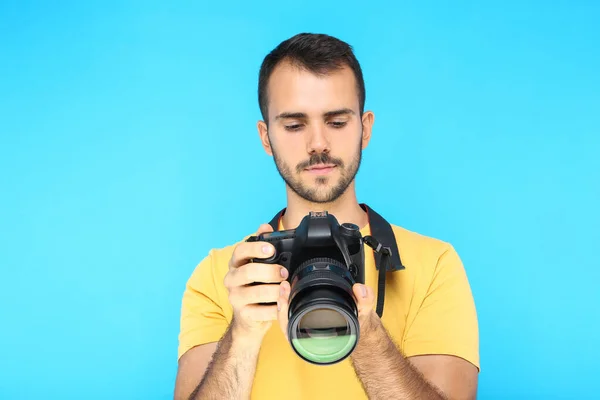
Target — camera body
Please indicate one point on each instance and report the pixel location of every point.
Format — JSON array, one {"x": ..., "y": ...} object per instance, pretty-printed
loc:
[{"x": 318, "y": 236}]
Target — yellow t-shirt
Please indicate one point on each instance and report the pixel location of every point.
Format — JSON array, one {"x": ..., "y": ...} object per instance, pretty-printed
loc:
[{"x": 429, "y": 309}]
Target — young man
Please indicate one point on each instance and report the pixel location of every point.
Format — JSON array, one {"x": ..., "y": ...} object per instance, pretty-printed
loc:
[{"x": 425, "y": 346}]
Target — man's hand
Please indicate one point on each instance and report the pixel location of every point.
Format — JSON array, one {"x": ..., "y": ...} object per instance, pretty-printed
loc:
[
  {"x": 252, "y": 320},
  {"x": 227, "y": 369}
]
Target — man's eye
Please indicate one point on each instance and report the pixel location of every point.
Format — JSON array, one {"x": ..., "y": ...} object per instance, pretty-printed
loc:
[
  {"x": 293, "y": 127},
  {"x": 338, "y": 124}
]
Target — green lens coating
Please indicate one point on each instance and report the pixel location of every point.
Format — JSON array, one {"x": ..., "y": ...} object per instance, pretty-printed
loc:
[
  {"x": 324, "y": 350},
  {"x": 323, "y": 336}
]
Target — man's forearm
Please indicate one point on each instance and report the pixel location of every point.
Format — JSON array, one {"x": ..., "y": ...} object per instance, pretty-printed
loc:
[
  {"x": 231, "y": 372},
  {"x": 383, "y": 370}
]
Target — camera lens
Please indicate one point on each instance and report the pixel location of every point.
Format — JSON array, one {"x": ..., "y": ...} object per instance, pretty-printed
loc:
[
  {"x": 324, "y": 335},
  {"x": 323, "y": 327}
]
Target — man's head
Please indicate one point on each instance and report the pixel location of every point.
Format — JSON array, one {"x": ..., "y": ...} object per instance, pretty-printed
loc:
[{"x": 311, "y": 96}]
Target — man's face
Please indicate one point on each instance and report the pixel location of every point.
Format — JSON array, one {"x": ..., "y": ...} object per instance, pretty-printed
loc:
[{"x": 315, "y": 133}]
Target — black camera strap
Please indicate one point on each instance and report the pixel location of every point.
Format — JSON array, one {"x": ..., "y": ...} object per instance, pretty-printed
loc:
[{"x": 386, "y": 256}]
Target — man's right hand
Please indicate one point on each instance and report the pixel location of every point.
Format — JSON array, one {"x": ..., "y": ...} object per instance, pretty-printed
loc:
[{"x": 252, "y": 320}]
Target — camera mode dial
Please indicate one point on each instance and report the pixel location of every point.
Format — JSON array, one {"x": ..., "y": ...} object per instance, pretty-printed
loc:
[{"x": 349, "y": 229}]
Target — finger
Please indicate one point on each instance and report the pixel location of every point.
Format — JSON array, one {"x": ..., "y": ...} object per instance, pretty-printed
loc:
[
  {"x": 283, "y": 306},
  {"x": 247, "y": 250},
  {"x": 264, "y": 228},
  {"x": 365, "y": 297},
  {"x": 259, "y": 312},
  {"x": 267, "y": 293},
  {"x": 256, "y": 272}
]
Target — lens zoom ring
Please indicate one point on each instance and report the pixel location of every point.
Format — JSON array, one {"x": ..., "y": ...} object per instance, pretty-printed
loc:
[
  {"x": 326, "y": 274},
  {"x": 320, "y": 260},
  {"x": 312, "y": 263}
]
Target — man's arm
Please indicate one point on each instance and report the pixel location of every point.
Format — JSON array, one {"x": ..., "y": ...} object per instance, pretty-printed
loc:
[
  {"x": 191, "y": 369},
  {"x": 229, "y": 374},
  {"x": 387, "y": 374},
  {"x": 442, "y": 339}
]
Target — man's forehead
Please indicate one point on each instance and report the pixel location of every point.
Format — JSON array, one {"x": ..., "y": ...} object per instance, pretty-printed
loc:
[{"x": 295, "y": 89}]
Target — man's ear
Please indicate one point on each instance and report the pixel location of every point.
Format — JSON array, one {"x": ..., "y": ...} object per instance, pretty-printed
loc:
[
  {"x": 368, "y": 119},
  {"x": 263, "y": 133}
]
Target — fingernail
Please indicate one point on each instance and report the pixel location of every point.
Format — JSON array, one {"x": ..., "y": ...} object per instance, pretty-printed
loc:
[
  {"x": 284, "y": 273},
  {"x": 281, "y": 291},
  {"x": 363, "y": 291},
  {"x": 266, "y": 249}
]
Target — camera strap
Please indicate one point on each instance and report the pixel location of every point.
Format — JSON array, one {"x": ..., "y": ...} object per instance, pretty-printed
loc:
[{"x": 386, "y": 256}]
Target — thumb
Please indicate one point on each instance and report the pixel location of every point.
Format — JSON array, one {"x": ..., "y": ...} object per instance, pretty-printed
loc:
[
  {"x": 365, "y": 298},
  {"x": 283, "y": 306}
]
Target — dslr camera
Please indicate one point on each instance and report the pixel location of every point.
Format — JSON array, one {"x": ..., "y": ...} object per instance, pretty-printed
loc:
[{"x": 324, "y": 260}]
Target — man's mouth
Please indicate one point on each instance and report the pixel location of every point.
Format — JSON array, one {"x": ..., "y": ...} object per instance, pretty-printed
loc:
[{"x": 321, "y": 168}]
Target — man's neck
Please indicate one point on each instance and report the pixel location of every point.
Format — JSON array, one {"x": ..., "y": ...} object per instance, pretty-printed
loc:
[{"x": 345, "y": 209}]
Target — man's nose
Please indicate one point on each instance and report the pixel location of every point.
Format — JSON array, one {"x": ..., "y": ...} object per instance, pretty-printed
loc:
[{"x": 317, "y": 141}]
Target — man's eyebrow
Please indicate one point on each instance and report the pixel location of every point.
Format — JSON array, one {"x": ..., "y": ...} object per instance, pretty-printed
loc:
[
  {"x": 291, "y": 115},
  {"x": 342, "y": 111},
  {"x": 328, "y": 114}
]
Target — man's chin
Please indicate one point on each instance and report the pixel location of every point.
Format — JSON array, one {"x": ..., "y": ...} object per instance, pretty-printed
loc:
[
  {"x": 321, "y": 195},
  {"x": 317, "y": 190}
]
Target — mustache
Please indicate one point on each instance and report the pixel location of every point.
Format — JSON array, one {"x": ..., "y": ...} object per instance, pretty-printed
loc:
[{"x": 321, "y": 158}]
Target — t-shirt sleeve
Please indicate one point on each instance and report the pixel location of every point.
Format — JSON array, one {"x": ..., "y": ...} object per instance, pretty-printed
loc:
[
  {"x": 202, "y": 317},
  {"x": 446, "y": 322}
]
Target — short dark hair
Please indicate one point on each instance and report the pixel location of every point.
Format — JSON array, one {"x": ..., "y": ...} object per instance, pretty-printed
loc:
[{"x": 317, "y": 53}]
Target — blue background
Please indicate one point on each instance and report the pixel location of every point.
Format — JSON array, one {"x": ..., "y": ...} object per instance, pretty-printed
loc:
[{"x": 128, "y": 149}]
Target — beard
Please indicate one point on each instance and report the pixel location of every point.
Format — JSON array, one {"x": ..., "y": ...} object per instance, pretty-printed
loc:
[{"x": 325, "y": 191}]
